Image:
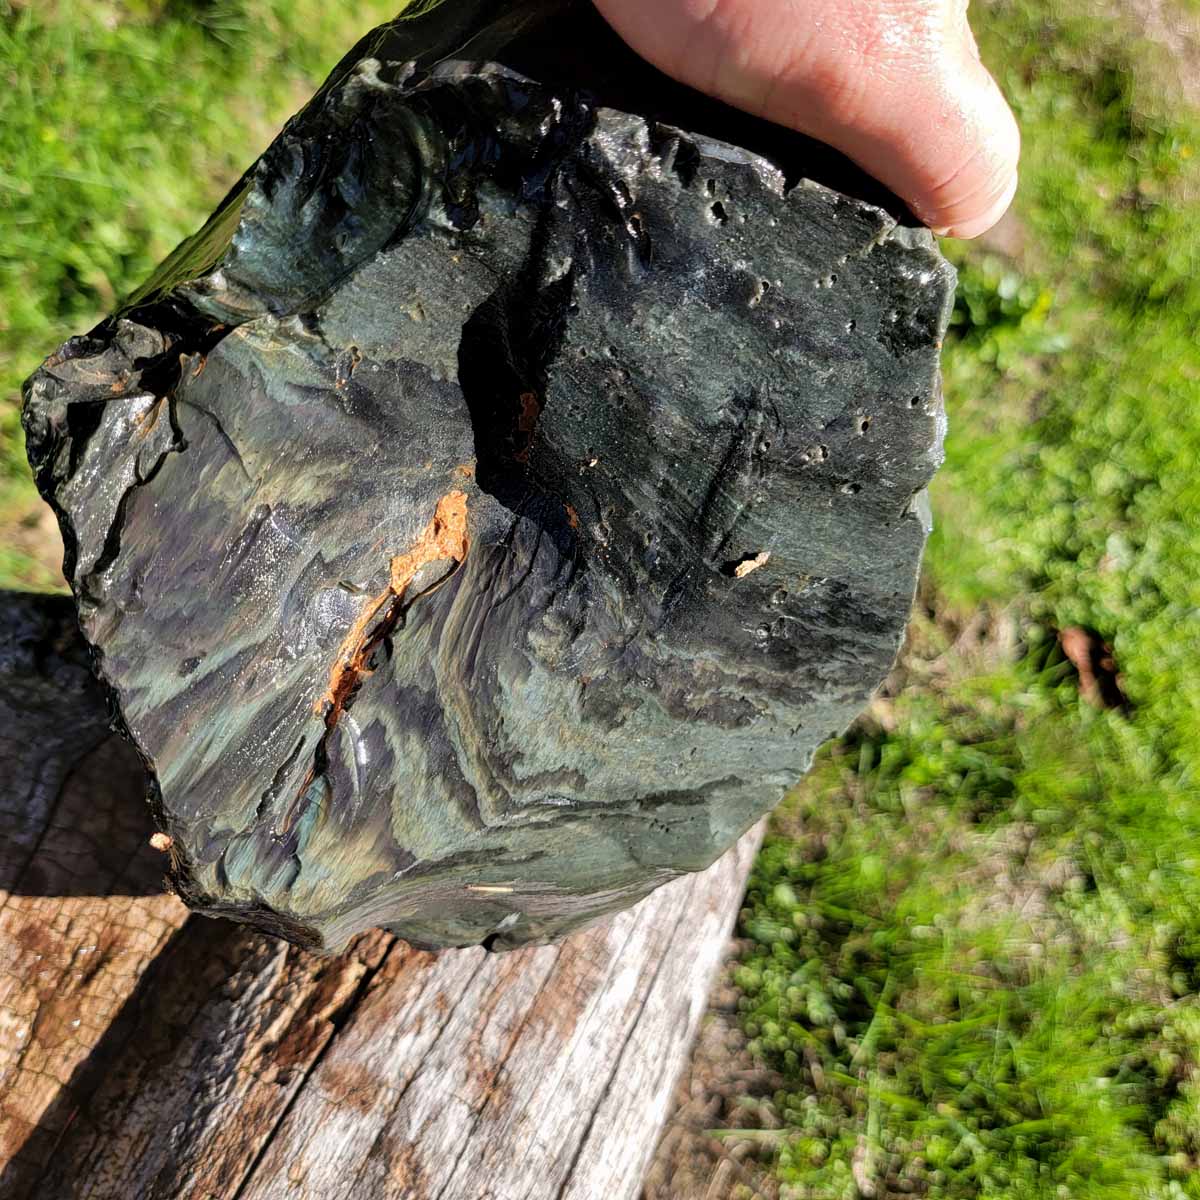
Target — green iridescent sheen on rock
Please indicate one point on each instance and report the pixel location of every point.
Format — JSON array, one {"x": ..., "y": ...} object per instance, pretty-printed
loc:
[{"x": 486, "y": 517}]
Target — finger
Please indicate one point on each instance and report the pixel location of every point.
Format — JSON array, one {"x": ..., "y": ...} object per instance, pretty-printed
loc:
[
  {"x": 895, "y": 84},
  {"x": 934, "y": 125}
]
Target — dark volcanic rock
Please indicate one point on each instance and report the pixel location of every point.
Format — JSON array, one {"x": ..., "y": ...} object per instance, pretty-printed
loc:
[{"x": 486, "y": 516}]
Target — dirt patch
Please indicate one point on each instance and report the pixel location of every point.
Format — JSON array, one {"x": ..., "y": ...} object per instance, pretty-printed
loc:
[
  {"x": 722, "y": 1088},
  {"x": 29, "y": 532},
  {"x": 1007, "y": 237},
  {"x": 1175, "y": 28}
]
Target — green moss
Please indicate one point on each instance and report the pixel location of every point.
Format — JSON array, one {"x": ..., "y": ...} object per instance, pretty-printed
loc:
[{"x": 977, "y": 931}]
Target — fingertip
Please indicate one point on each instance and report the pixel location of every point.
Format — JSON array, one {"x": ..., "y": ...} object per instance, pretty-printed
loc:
[
  {"x": 897, "y": 85},
  {"x": 972, "y": 226},
  {"x": 980, "y": 160}
]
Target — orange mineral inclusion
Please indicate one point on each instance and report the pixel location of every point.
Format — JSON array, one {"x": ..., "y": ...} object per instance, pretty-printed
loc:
[{"x": 445, "y": 537}]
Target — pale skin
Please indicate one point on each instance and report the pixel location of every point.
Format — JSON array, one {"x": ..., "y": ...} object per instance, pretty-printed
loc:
[{"x": 895, "y": 84}]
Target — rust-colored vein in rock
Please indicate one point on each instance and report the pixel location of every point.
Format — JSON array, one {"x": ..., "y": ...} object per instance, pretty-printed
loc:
[
  {"x": 444, "y": 538},
  {"x": 531, "y": 410},
  {"x": 146, "y": 423}
]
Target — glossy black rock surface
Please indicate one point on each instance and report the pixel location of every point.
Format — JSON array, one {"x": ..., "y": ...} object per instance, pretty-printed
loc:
[{"x": 487, "y": 515}]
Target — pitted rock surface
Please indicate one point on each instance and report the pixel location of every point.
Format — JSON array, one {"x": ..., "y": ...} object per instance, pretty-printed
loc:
[{"x": 484, "y": 519}]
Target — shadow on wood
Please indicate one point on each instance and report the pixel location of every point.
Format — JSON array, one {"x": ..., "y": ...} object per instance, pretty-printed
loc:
[{"x": 73, "y": 821}]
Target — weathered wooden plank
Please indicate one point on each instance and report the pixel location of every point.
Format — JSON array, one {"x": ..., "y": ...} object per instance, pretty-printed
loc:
[
  {"x": 253, "y": 1070},
  {"x": 547, "y": 1072},
  {"x": 145, "y": 1056}
]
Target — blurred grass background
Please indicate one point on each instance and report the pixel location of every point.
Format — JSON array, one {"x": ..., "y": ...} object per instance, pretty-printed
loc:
[
  {"x": 975, "y": 930},
  {"x": 973, "y": 936}
]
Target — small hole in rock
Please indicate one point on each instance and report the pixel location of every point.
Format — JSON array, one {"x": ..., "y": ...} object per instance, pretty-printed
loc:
[
  {"x": 864, "y": 425},
  {"x": 719, "y": 215},
  {"x": 851, "y": 489},
  {"x": 710, "y": 186},
  {"x": 914, "y": 402},
  {"x": 851, "y": 326}
]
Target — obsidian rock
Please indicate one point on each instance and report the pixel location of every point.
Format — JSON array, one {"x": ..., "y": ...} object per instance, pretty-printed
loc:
[{"x": 485, "y": 517}]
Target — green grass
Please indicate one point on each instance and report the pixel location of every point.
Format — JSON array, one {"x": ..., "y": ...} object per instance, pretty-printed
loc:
[
  {"x": 975, "y": 931},
  {"x": 121, "y": 125}
]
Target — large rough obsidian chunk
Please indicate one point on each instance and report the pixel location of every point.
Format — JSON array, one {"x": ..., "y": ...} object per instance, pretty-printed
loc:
[{"x": 484, "y": 518}]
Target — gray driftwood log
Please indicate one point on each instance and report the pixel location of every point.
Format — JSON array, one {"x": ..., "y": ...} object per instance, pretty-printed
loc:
[
  {"x": 146, "y": 1054},
  {"x": 485, "y": 517}
]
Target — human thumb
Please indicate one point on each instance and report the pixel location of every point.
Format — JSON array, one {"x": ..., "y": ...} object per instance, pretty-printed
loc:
[{"x": 895, "y": 84}]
